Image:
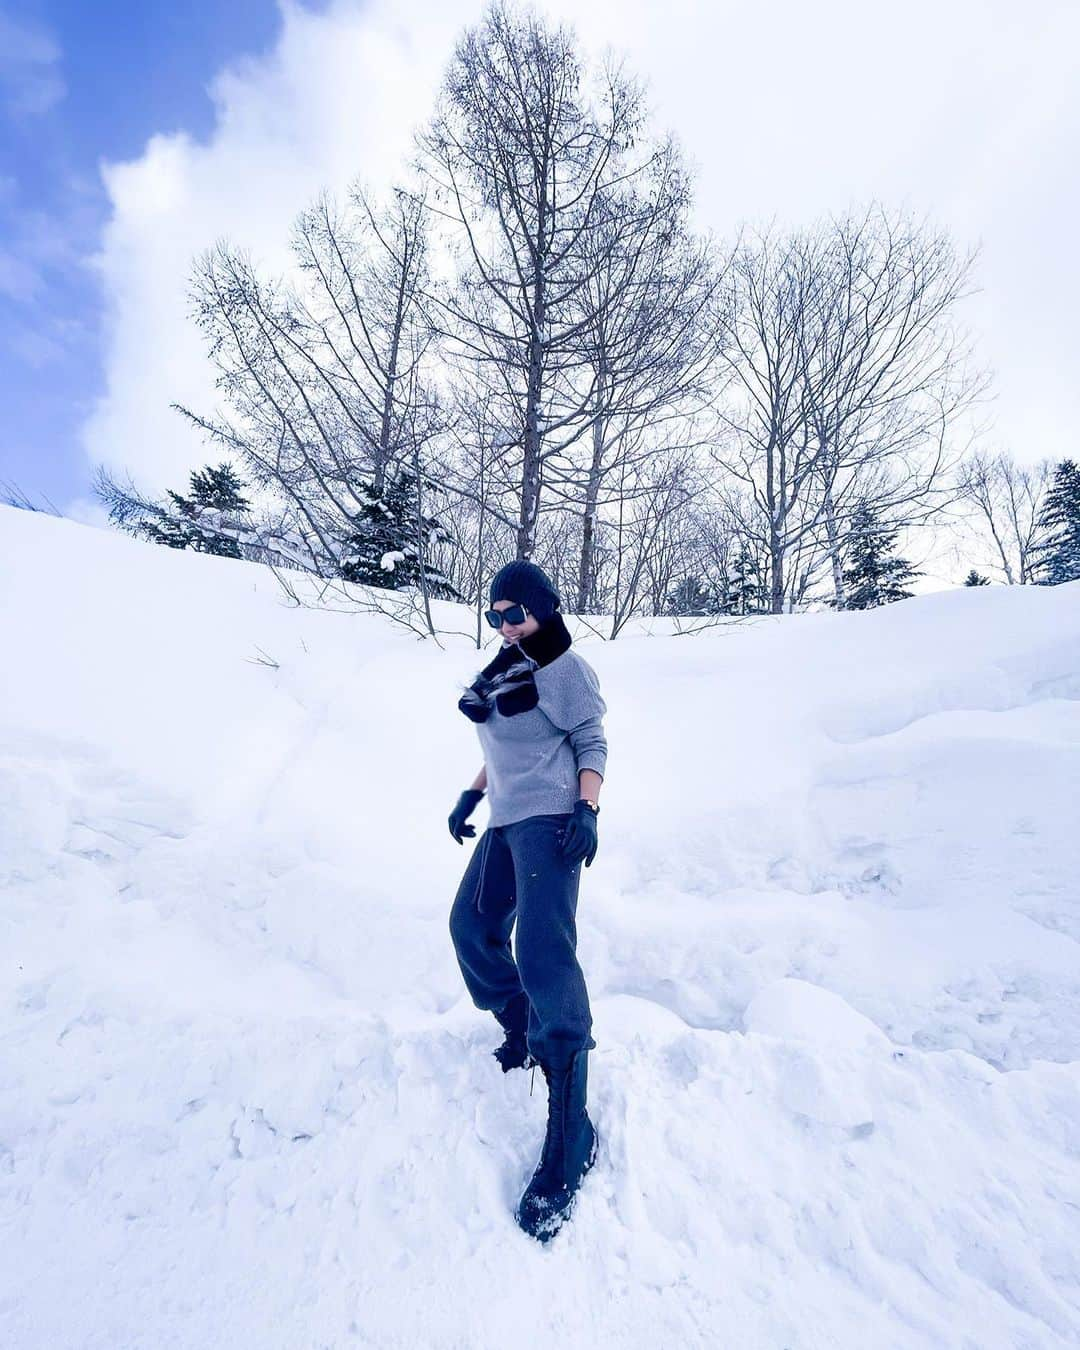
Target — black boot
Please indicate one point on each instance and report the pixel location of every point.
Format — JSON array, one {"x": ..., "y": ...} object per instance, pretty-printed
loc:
[
  {"x": 569, "y": 1151},
  {"x": 514, "y": 1020}
]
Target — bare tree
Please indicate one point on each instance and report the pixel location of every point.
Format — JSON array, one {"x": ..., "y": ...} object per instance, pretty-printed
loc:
[
  {"x": 643, "y": 521},
  {"x": 478, "y": 510},
  {"x": 525, "y": 158},
  {"x": 888, "y": 371},
  {"x": 363, "y": 328},
  {"x": 323, "y": 380},
  {"x": 1005, "y": 500},
  {"x": 768, "y": 446},
  {"x": 848, "y": 376},
  {"x": 646, "y": 357}
]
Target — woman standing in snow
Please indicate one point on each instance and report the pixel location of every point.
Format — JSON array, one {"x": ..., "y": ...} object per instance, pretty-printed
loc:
[{"x": 538, "y": 713}]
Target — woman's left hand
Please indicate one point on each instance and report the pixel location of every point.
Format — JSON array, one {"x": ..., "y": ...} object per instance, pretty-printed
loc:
[{"x": 579, "y": 840}]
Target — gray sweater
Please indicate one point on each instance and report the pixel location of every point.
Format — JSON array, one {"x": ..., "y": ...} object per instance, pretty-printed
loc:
[{"x": 533, "y": 758}]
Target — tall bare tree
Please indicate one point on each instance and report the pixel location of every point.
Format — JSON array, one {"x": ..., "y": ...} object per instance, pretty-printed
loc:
[
  {"x": 888, "y": 371},
  {"x": 848, "y": 374},
  {"x": 525, "y": 157},
  {"x": 363, "y": 324},
  {"x": 646, "y": 354},
  {"x": 766, "y": 442}
]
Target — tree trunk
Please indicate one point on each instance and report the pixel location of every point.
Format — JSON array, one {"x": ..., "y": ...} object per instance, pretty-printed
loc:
[
  {"x": 776, "y": 525},
  {"x": 480, "y": 621},
  {"x": 834, "y": 549},
  {"x": 421, "y": 542},
  {"x": 776, "y": 560},
  {"x": 530, "y": 468},
  {"x": 588, "y": 530},
  {"x": 387, "y": 420}
]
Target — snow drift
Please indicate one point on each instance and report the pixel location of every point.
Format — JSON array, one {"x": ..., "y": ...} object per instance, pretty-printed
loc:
[{"x": 831, "y": 937}]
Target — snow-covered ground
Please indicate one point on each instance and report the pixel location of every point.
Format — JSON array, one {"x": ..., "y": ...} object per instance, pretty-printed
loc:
[{"x": 832, "y": 937}]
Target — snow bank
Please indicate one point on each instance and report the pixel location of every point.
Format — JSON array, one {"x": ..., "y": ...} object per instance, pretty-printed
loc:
[{"x": 831, "y": 938}]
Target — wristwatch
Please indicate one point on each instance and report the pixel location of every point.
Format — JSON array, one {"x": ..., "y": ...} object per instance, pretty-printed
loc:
[{"x": 593, "y": 807}]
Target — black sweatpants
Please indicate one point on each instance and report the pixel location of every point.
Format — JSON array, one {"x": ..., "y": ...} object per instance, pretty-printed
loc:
[{"x": 517, "y": 872}]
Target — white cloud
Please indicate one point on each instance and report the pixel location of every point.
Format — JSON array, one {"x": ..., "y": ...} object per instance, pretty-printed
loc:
[
  {"x": 966, "y": 112},
  {"x": 336, "y": 100},
  {"x": 30, "y": 80}
]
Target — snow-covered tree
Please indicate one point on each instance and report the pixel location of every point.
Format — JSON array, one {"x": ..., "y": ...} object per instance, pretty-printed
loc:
[
  {"x": 691, "y": 598},
  {"x": 1058, "y": 551},
  {"x": 974, "y": 578},
  {"x": 747, "y": 592},
  {"x": 214, "y": 517},
  {"x": 209, "y": 519},
  {"x": 874, "y": 575},
  {"x": 387, "y": 546}
]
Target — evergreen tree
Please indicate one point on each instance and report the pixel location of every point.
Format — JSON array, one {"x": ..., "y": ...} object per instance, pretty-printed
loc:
[
  {"x": 382, "y": 549},
  {"x": 974, "y": 578},
  {"x": 1057, "y": 555},
  {"x": 745, "y": 592},
  {"x": 217, "y": 489},
  {"x": 691, "y": 598},
  {"x": 203, "y": 520},
  {"x": 874, "y": 574}
]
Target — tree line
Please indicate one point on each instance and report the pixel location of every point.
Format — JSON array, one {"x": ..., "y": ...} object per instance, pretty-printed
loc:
[{"x": 527, "y": 350}]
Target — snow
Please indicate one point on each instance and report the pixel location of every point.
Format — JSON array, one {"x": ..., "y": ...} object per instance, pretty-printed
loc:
[{"x": 831, "y": 937}]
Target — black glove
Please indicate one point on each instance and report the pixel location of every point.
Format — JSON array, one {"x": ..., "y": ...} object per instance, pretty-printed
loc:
[
  {"x": 579, "y": 841},
  {"x": 466, "y": 805}
]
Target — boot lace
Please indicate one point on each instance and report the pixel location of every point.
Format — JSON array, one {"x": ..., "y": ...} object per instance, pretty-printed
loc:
[{"x": 555, "y": 1135}]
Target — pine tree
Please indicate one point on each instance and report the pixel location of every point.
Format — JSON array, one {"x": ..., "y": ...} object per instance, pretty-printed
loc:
[
  {"x": 745, "y": 592},
  {"x": 1057, "y": 555},
  {"x": 974, "y": 578},
  {"x": 874, "y": 574},
  {"x": 691, "y": 598},
  {"x": 218, "y": 489},
  {"x": 203, "y": 520},
  {"x": 382, "y": 549}
]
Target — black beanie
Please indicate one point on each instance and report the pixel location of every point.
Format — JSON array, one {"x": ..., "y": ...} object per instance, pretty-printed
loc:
[{"x": 529, "y": 586}]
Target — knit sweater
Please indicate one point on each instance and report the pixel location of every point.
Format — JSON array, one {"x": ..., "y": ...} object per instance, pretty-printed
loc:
[{"x": 538, "y": 713}]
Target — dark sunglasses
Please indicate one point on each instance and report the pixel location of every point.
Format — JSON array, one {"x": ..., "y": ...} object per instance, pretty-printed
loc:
[{"x": 514, "y": 615}]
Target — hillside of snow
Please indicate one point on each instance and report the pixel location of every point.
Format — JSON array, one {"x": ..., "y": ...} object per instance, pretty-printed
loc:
[{"x": 832, "y": 938}]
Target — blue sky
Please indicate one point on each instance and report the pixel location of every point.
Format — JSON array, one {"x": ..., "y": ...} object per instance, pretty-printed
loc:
[{"x": 81, "y": 83}]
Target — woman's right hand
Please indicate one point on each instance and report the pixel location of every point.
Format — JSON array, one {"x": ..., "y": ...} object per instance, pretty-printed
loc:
[{"x": 466, "y": 805}]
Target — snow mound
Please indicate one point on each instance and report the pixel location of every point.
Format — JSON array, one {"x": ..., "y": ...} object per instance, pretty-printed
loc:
[{"x": 831, "y": 937}]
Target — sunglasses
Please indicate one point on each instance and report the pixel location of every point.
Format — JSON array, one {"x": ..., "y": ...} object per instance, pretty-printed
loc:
[{"x": 514, "y": 615}]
